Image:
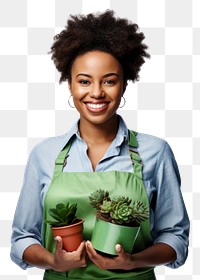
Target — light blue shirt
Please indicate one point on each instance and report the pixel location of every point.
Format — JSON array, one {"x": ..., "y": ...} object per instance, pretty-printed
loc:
[{"x": 169, "y": 219}]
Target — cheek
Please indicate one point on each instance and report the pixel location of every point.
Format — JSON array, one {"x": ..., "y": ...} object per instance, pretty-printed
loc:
[
  {"x": 79, "y": 92},
  {"x": 76, "y": 90},
  {"x": 117, "y": 94}
]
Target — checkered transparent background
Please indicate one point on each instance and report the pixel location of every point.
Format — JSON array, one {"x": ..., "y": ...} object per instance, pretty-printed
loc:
[{"x": 165, "y": 102}]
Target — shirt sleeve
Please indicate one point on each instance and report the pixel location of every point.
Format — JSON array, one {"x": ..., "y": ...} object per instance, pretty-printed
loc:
[
  {"x": 171, "y": 222},
  {"x": 27, "y": 221}
]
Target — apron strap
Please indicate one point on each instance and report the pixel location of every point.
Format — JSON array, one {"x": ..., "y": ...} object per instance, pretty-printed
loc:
[
  {"x": 61, "y": 160},
  {"x": 134, "y": 155},
  {"x": 132, "y": 140}
]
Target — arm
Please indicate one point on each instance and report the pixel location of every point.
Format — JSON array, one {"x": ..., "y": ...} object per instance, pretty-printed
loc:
[
  {"x": 27, "y": 249},
  {"x": 61, "y": 261},
  {"x": 28, "y": 215},
  {"x": 37, "y": 255},
  {"x": 171, "y": 223},
  {"x": 157, "y": 254}
]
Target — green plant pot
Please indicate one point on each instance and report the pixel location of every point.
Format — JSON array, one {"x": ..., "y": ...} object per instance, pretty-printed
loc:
[{"x": 106, "y": 235}]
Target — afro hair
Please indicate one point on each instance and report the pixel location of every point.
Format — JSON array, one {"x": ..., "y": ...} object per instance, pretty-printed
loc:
[{"x": 104, "y": 32}]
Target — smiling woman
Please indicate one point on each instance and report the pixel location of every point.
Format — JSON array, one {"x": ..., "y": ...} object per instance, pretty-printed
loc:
[
  {"x": 97, "y": 87},
  {"x": 98, "y": 55}
]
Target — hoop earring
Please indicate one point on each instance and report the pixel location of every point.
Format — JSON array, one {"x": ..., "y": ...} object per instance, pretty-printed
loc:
[
  {"x": 69, "y": 102},
  {"x": 123, "y": 103}
]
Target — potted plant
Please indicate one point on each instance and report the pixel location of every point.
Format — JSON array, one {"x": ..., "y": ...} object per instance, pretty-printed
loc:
[
  {"x": 66, "y": 225},
  {"x": 117, "y": 221}
]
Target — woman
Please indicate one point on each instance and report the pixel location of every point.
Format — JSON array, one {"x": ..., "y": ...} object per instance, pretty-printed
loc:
[{"x": 97, "y": 55}]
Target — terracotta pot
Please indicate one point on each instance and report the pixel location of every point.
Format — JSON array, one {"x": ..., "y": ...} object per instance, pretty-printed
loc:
[
  {"x": 72, "y": 235},
  {"x": 106, "y": 235}
]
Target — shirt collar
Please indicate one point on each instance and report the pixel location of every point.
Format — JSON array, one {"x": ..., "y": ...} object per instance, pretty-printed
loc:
[{"x": 122, "y": 133}]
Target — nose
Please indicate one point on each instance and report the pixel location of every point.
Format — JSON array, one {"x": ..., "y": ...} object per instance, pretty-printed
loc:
[{"x": 97, "y": 91}]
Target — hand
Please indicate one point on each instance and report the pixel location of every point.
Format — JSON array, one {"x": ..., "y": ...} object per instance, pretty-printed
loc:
[
  {"x": 64, "y": 261},
  {"x": 122, "y": 261}
]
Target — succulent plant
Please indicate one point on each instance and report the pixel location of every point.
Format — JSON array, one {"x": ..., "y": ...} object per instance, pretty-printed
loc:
[
  {"x": 140, "y": 212},
  {"x": 119, "y": 210},
  {"x": 123, "y": 199},
  {"x": 106, "y": 206},
  {"x": 97, "y": 198},
  {"x": 121, "y": 213},
  {"x": 63, "y": 215}
]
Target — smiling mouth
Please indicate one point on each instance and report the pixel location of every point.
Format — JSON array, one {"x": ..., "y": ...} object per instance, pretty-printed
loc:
[{"x": 96, "y": 105}]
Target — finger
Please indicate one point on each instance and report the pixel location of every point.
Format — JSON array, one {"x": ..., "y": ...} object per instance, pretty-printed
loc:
[
  {"x": 81, "y": 250},
  {"x": 81, "y": 247},
  {"x": 59, "y": 244},
  {"x": 119, "y": 250},
  {"x": 101, "y": 261},
  {"x": 90, "y": 250},
  {"x": 92, "y": 254}
]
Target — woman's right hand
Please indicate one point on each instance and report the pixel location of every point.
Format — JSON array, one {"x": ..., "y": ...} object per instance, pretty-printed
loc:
[{"x": 64, "y": 261}]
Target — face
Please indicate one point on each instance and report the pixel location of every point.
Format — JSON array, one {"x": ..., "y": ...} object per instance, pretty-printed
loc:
[{"x": 96, "y": 86}]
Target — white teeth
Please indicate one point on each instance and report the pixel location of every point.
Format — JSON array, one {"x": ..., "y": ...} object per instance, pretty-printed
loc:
[{"x": 96, "y": 106}]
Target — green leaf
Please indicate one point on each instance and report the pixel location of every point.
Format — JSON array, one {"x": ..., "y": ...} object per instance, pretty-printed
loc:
[
  {"x": 49, "y": 222},
  {"x": 54, "y": 214},
  {"x": 62, "y": 214},
  {"x": 60, "y": 206}
]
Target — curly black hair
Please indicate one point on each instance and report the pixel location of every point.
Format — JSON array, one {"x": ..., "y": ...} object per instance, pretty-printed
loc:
[{"x": 104, "y": 32}]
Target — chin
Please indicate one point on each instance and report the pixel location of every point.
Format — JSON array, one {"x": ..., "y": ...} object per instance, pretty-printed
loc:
[{"x": 99, "y": 120}]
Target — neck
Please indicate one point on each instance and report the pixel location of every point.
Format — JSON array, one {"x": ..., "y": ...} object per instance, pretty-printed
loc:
[{"x": 99, "y": 133}]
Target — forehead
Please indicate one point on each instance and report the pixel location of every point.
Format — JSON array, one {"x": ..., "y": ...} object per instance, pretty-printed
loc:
[{"x": 96, "y": 60}]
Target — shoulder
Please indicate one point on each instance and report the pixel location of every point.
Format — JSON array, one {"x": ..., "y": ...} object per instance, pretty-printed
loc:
[
  {"x": 54, "y": 145},
  {"x": 46, "y": 152},
  {"x": 48, "y": 149},
  {"x": 153, "y": 150},
  {"x": 150, "y": 142},
  {"x": 50, "y": 143}
]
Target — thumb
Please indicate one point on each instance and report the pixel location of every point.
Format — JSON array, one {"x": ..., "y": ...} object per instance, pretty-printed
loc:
[
  {"x": 59, "y": 244},
  {"x": 119, "y": 249},
  {"x": 81, "y": 247}
]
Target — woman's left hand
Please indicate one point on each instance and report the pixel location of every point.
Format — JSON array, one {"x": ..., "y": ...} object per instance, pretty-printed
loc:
[{"x": 122, "y": 261}]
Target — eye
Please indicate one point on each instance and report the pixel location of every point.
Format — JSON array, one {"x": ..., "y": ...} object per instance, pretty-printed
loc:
[
  {"x": 84, "y": 82},
  {"x": 109, "y": 82}
]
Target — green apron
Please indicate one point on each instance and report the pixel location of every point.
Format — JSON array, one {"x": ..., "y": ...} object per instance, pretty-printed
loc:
[{"x": 76, "y": 188}]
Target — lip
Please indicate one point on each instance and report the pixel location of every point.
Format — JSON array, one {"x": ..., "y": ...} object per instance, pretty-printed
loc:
[{"x": 96, "y": 107}]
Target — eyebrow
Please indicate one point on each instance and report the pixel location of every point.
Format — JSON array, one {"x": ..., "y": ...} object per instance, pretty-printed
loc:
[{"x": 104, "y": 76}]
